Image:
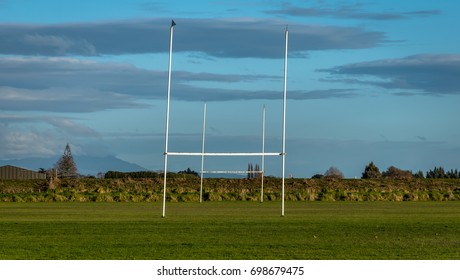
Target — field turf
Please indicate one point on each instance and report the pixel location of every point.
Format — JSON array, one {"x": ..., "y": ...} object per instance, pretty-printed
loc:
[{"x": 231, "y": 230}]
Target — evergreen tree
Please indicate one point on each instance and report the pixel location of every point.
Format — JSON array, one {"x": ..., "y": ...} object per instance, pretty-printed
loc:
[
  {"x": 419, "y": 175},
  {"x": 441, "y": 172},
  {"x": 250, "y": 169},
  {"x": 452, "y": 174},
  {"x": 371, "y": 171},
  {"x": 257, "y": 169},
  {"x": 66, "y": 166},
  {"x": 436, "y": 173}
]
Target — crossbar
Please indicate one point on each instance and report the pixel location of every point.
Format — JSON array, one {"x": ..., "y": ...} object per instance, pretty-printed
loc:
[
  {"x": 221, "y": 154},
  {"x": 231, "y": 172}
]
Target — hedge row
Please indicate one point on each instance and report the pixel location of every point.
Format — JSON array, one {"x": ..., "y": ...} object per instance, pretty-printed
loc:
[{"x": 187, "y": 189}]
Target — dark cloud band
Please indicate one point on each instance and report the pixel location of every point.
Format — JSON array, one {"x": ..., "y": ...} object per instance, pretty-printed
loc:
[
  {"x": 55, "y": 84},
  {"x": 426, "y": 73},
  {"x": 233, "y": 38},
  {"x": 353, "y": 11}
]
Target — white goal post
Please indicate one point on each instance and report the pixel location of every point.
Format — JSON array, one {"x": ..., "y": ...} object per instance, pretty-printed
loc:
[{"x": 204, "y": 154}]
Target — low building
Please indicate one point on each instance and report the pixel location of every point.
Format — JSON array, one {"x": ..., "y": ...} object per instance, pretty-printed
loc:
[{"x": 9, "y": 172}]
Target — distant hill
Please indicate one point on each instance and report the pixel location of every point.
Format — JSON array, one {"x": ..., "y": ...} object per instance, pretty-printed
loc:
[{"x": 87, "y": 165}]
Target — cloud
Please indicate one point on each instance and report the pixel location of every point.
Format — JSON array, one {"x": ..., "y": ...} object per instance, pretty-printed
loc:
[
  {"x": 18, "y": 141},
  {"x": 423, "y": 13},
  {"x": 63, "y": 125},
  {"x": 60, "y": 45},
  {"x": 71, "y": 85},
  {"x": 219, "y": 94},
  {"x": 70, "y": 127},
  {"x": 421, "y": 138},
  {"x": 352, "y": 11},
  {"x": 234, "y": 38},
  {"x": 152, "y": 7},
  {"x": 44, "y": 72},
  {"x": 42, "y": 136},
  {"x": 63, "y": 100},
  {"x": 434, "y": 74},
  {"x": 56, "y": 84}
]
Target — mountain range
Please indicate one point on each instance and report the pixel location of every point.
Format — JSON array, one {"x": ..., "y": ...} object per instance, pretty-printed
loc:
[{"x": 86, "y": 165}]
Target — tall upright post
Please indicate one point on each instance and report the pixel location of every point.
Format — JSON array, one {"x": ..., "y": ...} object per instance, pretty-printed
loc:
[
  {"x": 171, "y": 32},
  {"x": 263, "y": 156},
  {"x": 202, "y": 152},
  {"x": 284, "y": 122}
]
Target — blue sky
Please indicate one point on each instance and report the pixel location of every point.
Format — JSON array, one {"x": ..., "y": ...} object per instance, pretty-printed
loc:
[{"x": 367, "y": 81}]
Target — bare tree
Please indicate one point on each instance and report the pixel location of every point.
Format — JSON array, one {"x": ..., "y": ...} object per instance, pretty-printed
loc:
[
  {"x": 66, "y": 166},
  {"x": 333, "y": 172}
]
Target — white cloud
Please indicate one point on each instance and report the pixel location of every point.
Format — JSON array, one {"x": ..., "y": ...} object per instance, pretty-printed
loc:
[
  {"x": 70, "y": 127},
  {"x": 41, "y": 136},
  {"x": 18, "y": 143}
]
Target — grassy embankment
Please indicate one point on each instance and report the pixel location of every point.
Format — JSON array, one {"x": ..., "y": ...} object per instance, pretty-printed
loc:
[
  {"x": 231, "y": 230},
  {"x": 187, "y": 189}
]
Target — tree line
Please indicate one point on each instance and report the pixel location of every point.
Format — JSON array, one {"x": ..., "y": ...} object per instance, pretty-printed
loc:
[
  {"x": 372, "y": 171},
  {"x": 66, "y": 168}
]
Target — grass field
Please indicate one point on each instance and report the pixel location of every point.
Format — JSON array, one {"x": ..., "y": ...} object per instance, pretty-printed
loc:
[{"x": 231, "y": 230}]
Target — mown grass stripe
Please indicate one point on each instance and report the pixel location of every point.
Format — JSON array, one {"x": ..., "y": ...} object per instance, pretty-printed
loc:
[{"x": 231, "y": 230}]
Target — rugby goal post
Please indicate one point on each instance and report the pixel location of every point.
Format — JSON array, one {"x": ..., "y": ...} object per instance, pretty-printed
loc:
[{"x": 204, "y": 154}]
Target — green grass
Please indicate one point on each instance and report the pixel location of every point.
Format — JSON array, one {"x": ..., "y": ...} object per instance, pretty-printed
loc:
[{"x": 231, "y": 230}]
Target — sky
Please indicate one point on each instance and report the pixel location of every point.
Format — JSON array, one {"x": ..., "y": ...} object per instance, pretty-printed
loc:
[{"x": 367, "y": 81}]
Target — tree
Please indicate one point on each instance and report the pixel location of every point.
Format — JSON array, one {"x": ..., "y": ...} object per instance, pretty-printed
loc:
[
  {"x": 333, "y": 172},
  {"x": 419, "y": 175},
  {"x": 453, "y": 174},
  {"x": 439, "y": 173},
  {"x": 250, "y": 169},
  {"x": 436, "y": 173},
  {"x": 189, "y": 171},
  {"x": 371, "y": 171},
  {"x": 257, "y": 174},
  {"x": 396, "y": 173},
  {"x": 66, "y": 166}
]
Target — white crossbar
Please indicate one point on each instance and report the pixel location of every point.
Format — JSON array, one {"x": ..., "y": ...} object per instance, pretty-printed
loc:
[
  {"x": 230, "y": 171},
  {"x": 221, "y": 154}
]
